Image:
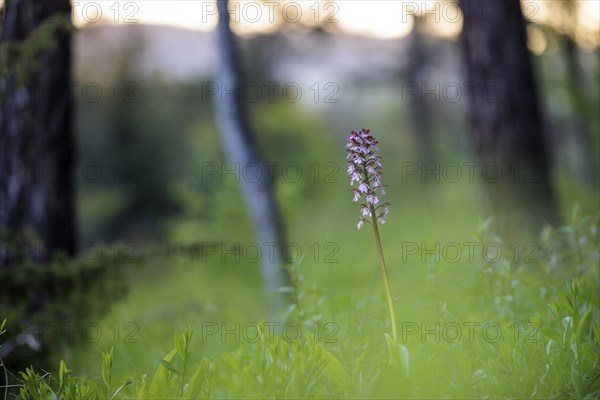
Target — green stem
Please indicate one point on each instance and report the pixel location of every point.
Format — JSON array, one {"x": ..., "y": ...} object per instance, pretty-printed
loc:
[{"x": 386, "y": 280}]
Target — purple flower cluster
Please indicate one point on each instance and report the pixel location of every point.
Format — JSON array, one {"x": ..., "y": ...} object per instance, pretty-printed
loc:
[{"x": 364, "y": 168}]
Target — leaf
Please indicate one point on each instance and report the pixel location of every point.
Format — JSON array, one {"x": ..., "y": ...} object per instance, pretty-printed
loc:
[
  {"x": 334, "y": 369},
  {"x": 120, "y": 388},
  {"x": 399, "y": 355},
  {"x": 107, "y": 361},
  {"x": 160, "y": 382},
  {"x": 552, "y": 334},
  {"x": 62, "y": 373},
  {"x": 179, "y": 344},
  {"x": 551, "y": 346},
  {"x": 195, "y": 385},
  {"x": 141, "y": 388},
  {"x": 169, "y": 366},
  {"x": 554, "y": 310},
  {"x": 583, "y": 324}
]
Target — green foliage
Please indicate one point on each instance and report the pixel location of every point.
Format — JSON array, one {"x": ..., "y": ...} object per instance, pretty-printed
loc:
[
  {"x": 549, "y": 347},
  {"x": 64, "y": 386},
  {"x": 67, "y": 290},
  {"x": 270, "y": 367},
  {"x": 280, "y": 368},
  {"x": 170, "y": 380},
  {"x": 545, "y": 351}
]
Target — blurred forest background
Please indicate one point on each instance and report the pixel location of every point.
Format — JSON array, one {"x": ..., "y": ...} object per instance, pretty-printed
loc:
[
  {"x": 158, "y": 79},
  {"x": 146, "y": 145}
]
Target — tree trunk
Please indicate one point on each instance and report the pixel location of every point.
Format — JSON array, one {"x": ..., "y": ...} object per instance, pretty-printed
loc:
[
  {"x": 420, "y": 113},
  {"x": 36, "y": 144},
  {"x": 505, "y": 114},
  {"x": 241, "y": 149},
  {"x": 579, "y": 126}
]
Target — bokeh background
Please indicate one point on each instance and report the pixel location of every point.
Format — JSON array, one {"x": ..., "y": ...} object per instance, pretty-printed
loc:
[{"x": 153, "y": 183}]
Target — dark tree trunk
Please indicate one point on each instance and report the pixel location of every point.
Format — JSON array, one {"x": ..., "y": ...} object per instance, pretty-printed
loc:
[
  {"x": 581, "y": 113},
  {"x": 36, "y": 144},
  {"x": 241, "y": 149},
  {"x": 505, "y": 114},
  {"x": 420, "y": 113}
]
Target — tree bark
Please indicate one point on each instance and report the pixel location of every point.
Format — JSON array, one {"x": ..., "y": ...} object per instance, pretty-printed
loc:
[
  {"x": 420, "y": 113},
  {"x": 505, "y": 114},
  {"x": 241, "y": 149},
  {"x": 579, "y": 126},
  {"x": 36, "y": 144}
]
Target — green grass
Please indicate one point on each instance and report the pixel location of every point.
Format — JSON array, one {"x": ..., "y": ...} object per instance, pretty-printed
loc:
[
  {"x": 542, "y": 294},
  {"x": 171, "y": 293}
]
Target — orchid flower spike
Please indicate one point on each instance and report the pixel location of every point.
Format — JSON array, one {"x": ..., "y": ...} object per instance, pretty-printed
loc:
[{"x": 364, "y": 169}]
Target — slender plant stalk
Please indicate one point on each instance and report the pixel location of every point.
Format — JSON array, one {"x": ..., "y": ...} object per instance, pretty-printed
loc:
[
  {"x": 364, "y": 168},
  {"x": 386, "y": 280}
]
